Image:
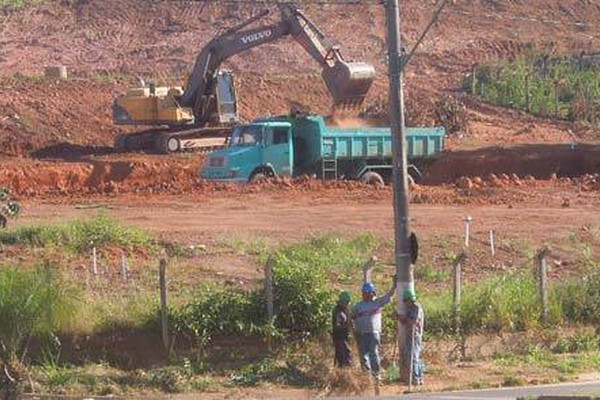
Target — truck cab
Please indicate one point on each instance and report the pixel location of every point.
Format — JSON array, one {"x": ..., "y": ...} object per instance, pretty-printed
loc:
[{"x": 256, "y": 150}]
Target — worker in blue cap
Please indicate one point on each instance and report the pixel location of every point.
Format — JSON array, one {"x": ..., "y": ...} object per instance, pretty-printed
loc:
[
  {"x": 367, "y": 322},
  {"x": 341, "y": 331}
]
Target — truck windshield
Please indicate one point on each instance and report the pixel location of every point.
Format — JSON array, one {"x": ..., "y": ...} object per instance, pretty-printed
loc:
[{"x": 246, "y": 135}]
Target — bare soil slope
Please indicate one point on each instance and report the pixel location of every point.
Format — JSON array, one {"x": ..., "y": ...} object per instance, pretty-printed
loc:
[{"x": 66, "y": 127}]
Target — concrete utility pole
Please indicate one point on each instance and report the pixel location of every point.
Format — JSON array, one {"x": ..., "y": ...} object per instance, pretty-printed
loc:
[{"x": 404, "y": 271}]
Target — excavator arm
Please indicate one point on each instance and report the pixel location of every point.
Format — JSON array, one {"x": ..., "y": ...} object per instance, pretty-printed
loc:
[{"x": 348, "y": 83}]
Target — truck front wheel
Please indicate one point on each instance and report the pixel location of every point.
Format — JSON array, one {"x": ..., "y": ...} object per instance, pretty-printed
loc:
[
  {"x": 372, "y": 178},
  {"x": 260, "y": 175}
]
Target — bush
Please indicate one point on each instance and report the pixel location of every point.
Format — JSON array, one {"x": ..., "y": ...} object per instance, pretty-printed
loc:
[
  {"x": 304, "y": 301},
  {"x": 221, "y": 311},
  {"x": 580, "y": 300}
]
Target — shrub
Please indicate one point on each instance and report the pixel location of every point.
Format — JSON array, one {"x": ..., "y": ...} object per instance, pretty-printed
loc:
[
  {"x": 9, "y": 208},
  {"x": 304, "y": 301},
  {"x": 579, "y": 300},
  {"x": 220, "y": 311}
]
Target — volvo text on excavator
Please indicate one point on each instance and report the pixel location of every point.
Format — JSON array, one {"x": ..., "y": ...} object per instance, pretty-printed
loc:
[{"x": 200, "y": 115}]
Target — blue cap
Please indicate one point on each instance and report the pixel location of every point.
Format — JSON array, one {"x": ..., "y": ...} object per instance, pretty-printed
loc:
[{"x": 368, "y": 287}]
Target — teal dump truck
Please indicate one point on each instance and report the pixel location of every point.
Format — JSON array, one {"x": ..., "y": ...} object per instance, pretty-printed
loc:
[{"x": 288, "y": 146}]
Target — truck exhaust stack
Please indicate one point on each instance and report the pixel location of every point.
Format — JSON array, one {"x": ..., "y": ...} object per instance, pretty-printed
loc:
[{"x": 348, "y": 83}]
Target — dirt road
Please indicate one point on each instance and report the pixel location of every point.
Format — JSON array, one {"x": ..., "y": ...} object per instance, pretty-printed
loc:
[{"x": 282, "y": 218}]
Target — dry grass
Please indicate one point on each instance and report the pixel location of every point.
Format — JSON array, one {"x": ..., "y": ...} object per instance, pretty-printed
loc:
[{"x": 348, "y": 381}]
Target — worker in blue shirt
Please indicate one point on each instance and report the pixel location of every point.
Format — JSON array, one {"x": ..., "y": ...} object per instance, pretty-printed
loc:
[{"x": 367, "y": 321}]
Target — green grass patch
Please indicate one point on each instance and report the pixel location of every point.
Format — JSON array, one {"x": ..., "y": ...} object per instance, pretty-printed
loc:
[
  {"x": 77, "y": 236},
  {"x": 17, "y": 4},
  {"x": 557, "y": 87},
  {"x": 510, "y": 303},
  {"x": 579, "y": 342},
  {"x": 340, "y": 259}
]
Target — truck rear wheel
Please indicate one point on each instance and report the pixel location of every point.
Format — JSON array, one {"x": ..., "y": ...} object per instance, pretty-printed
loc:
[{"x": 372, "y": 178}]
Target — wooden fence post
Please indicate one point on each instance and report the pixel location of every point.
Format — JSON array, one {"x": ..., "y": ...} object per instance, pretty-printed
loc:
[
  {"x": 124, "y": 267},
  {"x": 269, "y": 287},
  {"x": 556, "y": 99},
  {"x": 473, "y": 79},
  {"x": 457, "y": 288},
  {"x": 527, "y": 93},
  {"x": 269, "y": 295},
  {"x": 164, "y": 311},
  {"x": 542, "y": 272},
  {"x": 456, "y": 300}
]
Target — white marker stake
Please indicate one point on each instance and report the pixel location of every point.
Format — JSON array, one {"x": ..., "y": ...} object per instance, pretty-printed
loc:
[
  {"x": 94, "y": 262},
  {"x": 467, "y": 220},
  {"x": 492, "y": 248}
]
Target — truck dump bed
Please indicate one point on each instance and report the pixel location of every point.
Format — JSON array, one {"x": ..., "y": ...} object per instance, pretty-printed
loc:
[{"x": 312, "y": 134}]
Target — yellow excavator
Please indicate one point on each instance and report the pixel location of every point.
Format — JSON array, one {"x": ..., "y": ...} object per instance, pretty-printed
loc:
[{"x": 200, "y": 115}]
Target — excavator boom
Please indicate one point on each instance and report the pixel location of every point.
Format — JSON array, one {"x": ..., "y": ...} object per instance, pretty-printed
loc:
[{"x": 347, "y": 82}]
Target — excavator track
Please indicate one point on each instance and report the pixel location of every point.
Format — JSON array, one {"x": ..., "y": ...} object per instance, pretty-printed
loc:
[{"x": 171, "y": 142}]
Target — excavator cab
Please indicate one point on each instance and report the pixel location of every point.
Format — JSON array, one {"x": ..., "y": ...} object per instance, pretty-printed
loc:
[{"x": 348, "y": 82}]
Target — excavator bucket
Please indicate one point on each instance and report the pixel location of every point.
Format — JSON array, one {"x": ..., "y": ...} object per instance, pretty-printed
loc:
[{"x": 348, "y": 83}]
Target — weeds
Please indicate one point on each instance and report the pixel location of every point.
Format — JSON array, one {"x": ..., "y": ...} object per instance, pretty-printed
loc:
[
  {"x": 268, "y": 370},
  {"x": 580, "y": 342},
  {"x": 108, "y": 77},
  {"x": 428, "y": 273},
  {"x": 17, "y": 4},
  {"x": 77, "y": 236},
  {"x": 32, "y": 302},
  {"x": 101, "y": 379}
]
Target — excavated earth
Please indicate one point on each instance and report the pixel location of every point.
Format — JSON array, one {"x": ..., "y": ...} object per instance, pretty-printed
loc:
[{"x": 56, "y": 136}]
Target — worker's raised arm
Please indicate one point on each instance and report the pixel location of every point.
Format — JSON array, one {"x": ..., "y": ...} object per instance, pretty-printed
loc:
[{"x": 386, "y": 298}]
